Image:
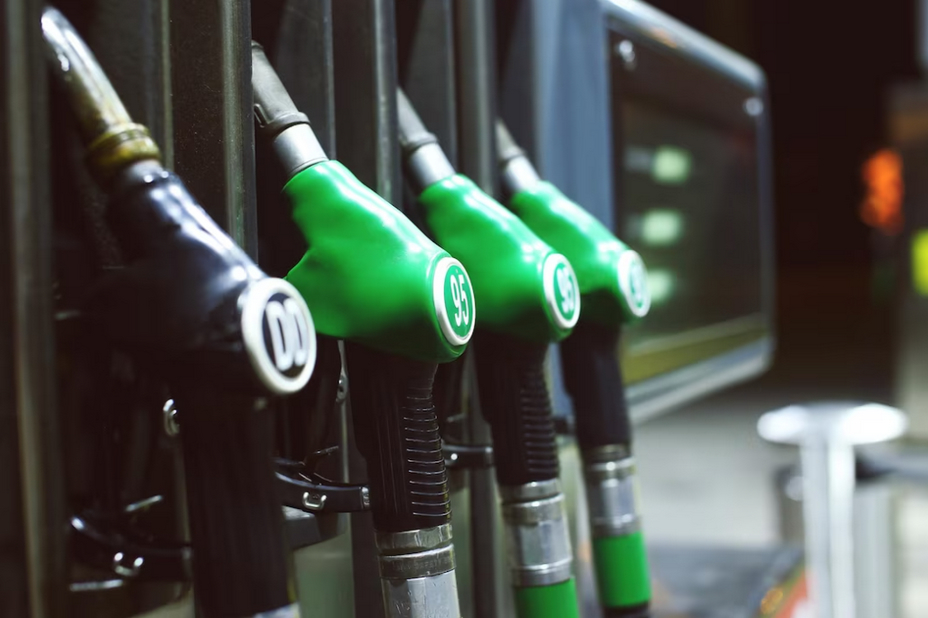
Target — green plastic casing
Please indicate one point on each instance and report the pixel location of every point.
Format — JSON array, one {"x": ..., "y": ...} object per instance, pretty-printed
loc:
[
  {"x": 367, "y": 275},
  {"x": 502, "y": 255},
  {"x": 592, "y": 249},
  {"x": 622, "y": 570},
  {"x": 555, "y": 601}
]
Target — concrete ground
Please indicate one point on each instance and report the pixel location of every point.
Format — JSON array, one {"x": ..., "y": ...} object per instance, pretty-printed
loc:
[{"x": 708, "y": 479}]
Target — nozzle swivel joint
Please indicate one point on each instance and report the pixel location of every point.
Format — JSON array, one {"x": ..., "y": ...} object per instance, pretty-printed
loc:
[
  {"x": 279, "y": 120},
  {"x": 425, "y": 160},
  {"x": 113, "y": 140}
]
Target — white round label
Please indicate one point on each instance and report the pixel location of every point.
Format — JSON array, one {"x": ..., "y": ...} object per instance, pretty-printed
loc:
[
  {"x": 453, "y": 297},
  {"x": 562, "y": 292},
  {"x": 633, "y": 283},
  {"x": 279, "y": 335}
]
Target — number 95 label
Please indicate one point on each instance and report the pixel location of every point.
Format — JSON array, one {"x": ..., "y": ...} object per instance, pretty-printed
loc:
[
  {"x": 454, "y": 301},
  {"x": 561, "y": 290}
]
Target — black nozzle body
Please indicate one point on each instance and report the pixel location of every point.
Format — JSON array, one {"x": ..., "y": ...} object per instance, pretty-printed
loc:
[{"x": 593, "y": 379}]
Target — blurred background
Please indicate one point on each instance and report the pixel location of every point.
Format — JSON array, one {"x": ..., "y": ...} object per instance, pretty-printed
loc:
[{"x": 850, "y": 122}]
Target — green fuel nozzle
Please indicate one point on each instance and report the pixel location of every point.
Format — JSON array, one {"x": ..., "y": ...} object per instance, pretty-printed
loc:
[
  {"x": 193, "y": 309},
  {"x": 613, "y": 289},
  {"x": 403, "y": 305},
  {"x": 528, "y": 298},
  {"x": 612, "y": 276}
]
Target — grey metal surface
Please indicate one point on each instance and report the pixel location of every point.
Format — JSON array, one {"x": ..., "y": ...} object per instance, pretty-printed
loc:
[
  {"x": 414, "y": 554},
  {"x": 612, "y": 497},
  {"x": 212, "y": 116},
  {"x": 878, "y": 578},
  {"x": 475, "y": 38},
  {"x": 538, "y": 541},
  {"x": 683, "y": 40},
  {"x": 365, "y": 97},
  {"x": 303, "y": 55},
  {"x": 425, "y": 160},
  {"x": 423, "y": 597},
  {"x": 426, "y": 64},
  {"x": 414, "y": 540},
  {"x": 33, "y": 521},
  {"x": 365, "y": 93},
  {"x": 827, "y": 434},
  {"x": 475, "y": 61}
]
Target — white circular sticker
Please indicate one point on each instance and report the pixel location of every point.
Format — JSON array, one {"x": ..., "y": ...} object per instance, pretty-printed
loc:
[
  {"x": 454, "y": 301},
  {"x": 279, "y": 335},
  {"x": 633, "y": 283},
  {"x": 562, "y": 292}
]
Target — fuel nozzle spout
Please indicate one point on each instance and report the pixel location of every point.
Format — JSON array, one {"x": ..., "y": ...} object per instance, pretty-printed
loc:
[
  {"x": 113, "y": 140},
  {"x": 279, "y": 120},
  {"x": 426, "y": 162},
  {"x": 516, "y": 170}
]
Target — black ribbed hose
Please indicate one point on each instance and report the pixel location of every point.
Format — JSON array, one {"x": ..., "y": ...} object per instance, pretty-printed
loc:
[
  {"x": 397, "y": 432},
  {"x": 515, "y": 401}
]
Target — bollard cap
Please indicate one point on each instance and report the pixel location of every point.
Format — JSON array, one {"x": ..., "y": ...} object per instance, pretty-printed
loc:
[{"x": 840, "y": 422}]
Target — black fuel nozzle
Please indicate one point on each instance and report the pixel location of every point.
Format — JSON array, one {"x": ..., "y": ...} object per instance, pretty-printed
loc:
[{"x": 191, "y": 306}]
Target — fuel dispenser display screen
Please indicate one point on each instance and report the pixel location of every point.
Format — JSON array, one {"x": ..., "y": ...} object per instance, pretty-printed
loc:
[
  {"x": 691, "y": 162},
  {"x": 691, "y": 209}
]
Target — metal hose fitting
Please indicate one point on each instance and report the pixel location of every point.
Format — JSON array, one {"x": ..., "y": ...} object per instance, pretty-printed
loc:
[
  {"x": 113, "y": 141},
  {"x": 536, "y": 533},
  {"x": 417, "y": 573}
]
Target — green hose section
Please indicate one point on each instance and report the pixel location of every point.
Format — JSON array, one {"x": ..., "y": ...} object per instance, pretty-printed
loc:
[
  {"x": 613, "y": 280},
  {"x": 524, "y": 287},
  {"x": 555, "y": 601},
  {"x": 370, "y": 275},
  {"x": 622, "y": 570}
]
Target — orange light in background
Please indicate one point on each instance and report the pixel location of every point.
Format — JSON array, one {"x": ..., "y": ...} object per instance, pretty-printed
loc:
[{"x": 882, "y": 206}]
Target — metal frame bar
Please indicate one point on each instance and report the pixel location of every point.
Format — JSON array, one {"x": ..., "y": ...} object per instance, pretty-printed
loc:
[
  {"x": 37, "y": 527},
  {"x": 364, "y": 35},
  {"x": 212, "y": 115}
]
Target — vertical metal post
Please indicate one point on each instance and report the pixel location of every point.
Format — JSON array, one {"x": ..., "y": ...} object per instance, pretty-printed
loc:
[
  {"x": 297, "y": 37},
  {"x": 476, "y": 156},
  {"x": 476, "y": 70},
  {"x": 33, "y": 524},
  {"x": 365, "y": 93},
  {"x": 213, "y": 126},
  {"x": 828, "y": 505},
  {"x": 139, "y": 66},
  {"x": 364, "y": 41},
  {"x": 425, "y": 42},
  {"x": 826, "y": 434}
]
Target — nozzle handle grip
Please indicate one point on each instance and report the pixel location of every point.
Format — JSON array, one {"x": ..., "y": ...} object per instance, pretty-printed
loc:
[
  {"x": 593, "y": 379},
  {"x": 240, "y": 558},
  {"x": 397, "y": 432},
  {"x": 515, "y": 401}
]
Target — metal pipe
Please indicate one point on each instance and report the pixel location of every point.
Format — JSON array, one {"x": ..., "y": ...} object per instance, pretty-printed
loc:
[{"x": 113, "y": 140}]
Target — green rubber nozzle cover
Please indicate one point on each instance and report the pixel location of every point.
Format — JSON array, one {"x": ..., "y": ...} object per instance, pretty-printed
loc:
[
  {"x": 525, "y": 288},
  {"x": 612, "y": 277},
  {"x": 370, "y": 275},
  {"x": 622, "y": 570},
  {"x": 555, "y": 601}
]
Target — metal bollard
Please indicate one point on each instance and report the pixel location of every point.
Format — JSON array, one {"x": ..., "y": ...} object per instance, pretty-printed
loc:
[{"x": 826, "y": 434}]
